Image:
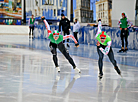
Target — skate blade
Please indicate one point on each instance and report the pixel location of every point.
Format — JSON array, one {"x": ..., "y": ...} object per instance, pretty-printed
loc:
[
  {"x": 121, "y": 75},
  {"x": 100, "y": 78},
  {"x": 120, "y": 52}
]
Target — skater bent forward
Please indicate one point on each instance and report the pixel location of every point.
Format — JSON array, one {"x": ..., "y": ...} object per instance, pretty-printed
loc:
[
  {"x": 104, "y": 48},
  {"x": 56, "y": 41}
]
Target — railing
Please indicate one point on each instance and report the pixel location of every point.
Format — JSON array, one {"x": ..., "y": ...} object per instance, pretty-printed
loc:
[{"x": 87, "y": 35}]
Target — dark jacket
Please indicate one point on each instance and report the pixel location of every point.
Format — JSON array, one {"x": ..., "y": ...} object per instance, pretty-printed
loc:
[{"x": 65, "y": 23}]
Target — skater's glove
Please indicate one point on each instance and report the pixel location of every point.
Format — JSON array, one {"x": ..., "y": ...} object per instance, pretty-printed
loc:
[
  {"x": 43, "y": 18},
  {"x": 77, "y": 45}
]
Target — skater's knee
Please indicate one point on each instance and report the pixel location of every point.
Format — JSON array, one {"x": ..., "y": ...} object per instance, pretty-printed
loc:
[{"x": 100, "y": 58}]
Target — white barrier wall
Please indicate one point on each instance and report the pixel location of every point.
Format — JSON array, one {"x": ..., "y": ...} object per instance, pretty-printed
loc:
[
  {"x": 14, "y": 29},
  {"x": 120, "y": 6}
]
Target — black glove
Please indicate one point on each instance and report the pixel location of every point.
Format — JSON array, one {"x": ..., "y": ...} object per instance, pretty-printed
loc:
[
  {"x": 77, "y": 45},
  {"x": 133, "y": 29},
  {"x": 43, "y": 18},
  {"x": 99, "y": 20}
]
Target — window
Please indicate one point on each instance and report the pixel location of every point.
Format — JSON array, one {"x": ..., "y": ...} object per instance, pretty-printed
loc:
[
  {"x": 103, "y": 7},
  {"x": 54, "y": 12},
  {"x": 85, "y": 13},
  {"x": 61, "y": 2},
  {"x": 89, "y": 14},
  {"x": 99, "y": 7},
  {"x": 76, "y": 14},
  {"x": 51, "y": 12},
  {"x": 58, "y": 13},
  {"x": 35, "y": 13},
  {"x": 43, "y": 2},
  {"x": 86, "y": 3},
  {"x": 83, "y": 2},
  {"x": 103, "y": 14}
]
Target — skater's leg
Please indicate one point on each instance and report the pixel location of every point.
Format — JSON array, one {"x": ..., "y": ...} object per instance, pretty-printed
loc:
[
  {"x": 111, "y": 57},
  {"x": 75, "y": 35},
  {"x": 64, "y": 51},
  {"x": 122, "y": 37},
  {"x": 32, "y": 31},
  {"x": 100, "y": 61},
  {"x": 122, "y": 40},
  {"x": 54, "y": 52},
  {"x": 126, "y": 39}
]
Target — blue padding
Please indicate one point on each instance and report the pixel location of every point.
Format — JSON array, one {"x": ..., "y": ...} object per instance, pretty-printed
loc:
[{"x": 87, "y": 35}]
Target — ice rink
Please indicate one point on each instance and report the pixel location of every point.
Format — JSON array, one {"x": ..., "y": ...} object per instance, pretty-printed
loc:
[{"x": 28, "y": 74}]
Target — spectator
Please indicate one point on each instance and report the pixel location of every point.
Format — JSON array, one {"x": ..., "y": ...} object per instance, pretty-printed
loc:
[
  {"x": 76, "y": 28},
  {"x": 65, "y": 23},
  {"x": 124, "y": 24},
  {"x": 31, "y": 24}
]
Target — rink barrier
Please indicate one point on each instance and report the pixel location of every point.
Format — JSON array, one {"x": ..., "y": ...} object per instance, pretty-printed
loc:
[{"x": 87, "y": 35}]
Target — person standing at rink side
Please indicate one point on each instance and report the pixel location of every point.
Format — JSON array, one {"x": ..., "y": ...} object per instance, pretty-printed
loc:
[
  {"x": 124, "y": 24},
  {"x": 56, "y": 41},
  {"x": 104, "y": 48},
  {"x": 76, "y": 28},
  {"x": 31, "y": 24},
  {"x": 65, "y": 23}
]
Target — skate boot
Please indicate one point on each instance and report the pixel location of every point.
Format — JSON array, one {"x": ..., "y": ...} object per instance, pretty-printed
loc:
[
  {"x": 100, "y": 76},
  {"x": 122, "y": 49},
  {"x": 58, "y": 69},
  {"x": 118, "y": 70},
  {"x": 77, "y": 70},
  {"x": 126, "y": 49},
  {"x": 77, "y": 45}
]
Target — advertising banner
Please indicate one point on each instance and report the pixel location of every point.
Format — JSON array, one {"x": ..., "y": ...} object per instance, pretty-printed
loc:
[{"x": 11, "y": 12}]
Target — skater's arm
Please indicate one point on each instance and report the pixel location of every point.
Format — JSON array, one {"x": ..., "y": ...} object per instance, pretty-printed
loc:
[
  {"x": 99, "y": 29},
  {"x": 119, "y": 22},
  {"x": 129, "y": 23},
  {"x": 47, "y": 26},
  {"x": 71, "y": 37},
  {"x": 29, "y": 22},
  {"x": 107, "y": 49}
]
